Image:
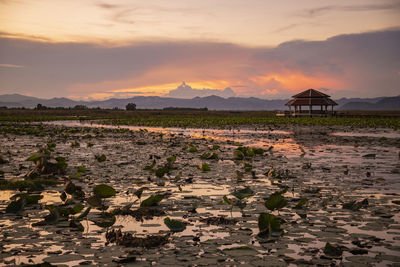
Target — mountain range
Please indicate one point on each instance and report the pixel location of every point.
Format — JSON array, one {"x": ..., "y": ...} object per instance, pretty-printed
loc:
[{"x": 211, "y": 102}]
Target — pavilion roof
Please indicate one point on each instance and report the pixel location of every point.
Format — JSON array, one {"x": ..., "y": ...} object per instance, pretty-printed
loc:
[
  {"x": 310, "y": 93},
  {"x": 311, "y": 97}
]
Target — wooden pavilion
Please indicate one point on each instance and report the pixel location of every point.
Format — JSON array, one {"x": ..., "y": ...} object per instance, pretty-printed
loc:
[{"x": 309, "y": 99}]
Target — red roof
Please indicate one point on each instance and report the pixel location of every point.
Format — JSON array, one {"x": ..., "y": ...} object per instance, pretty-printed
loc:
[{"x": 311, "y": 97}]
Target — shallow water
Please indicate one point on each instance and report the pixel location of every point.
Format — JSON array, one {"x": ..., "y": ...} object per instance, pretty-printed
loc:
[{"x": 332, "y": 163}]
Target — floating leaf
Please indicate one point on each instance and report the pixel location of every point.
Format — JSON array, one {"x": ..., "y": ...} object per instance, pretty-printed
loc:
[
  {"x": 105, "y": 221},
  {"x": 228, "y": 201},
  {"x": 243, "y": 193},
  {"x": 29, "y": 199},
  {"x": 104, "y": 191},
  {"x": 275, "y": 202},
  {"x": 237, "y": 154},
  {"x": 332, "y": 250},
  {"x": 61, "y": 163},
  {"x": 84, "y": 214},
  {"x": 208, "y": 155},
  {"x": 139, "y": 192},
  {"x": 160, "y": 172},
  {"x": 268, "y": 224},
  {"x": 77, "y": 225},
  {"x": 239, "y": 175},
  {"x": 271, "y": 173},
  {"x": 70, "y": 187},
  {"x": 174, "y": 225},
  {"x": 258, "y": 151},
  {"x": 205, "y": 167},
  {"x": 369, "y": 156},
  {"x": 151, "y": 166},
  {"x": 355, "y": 206},
  {"x": 81, "y": 169},
  {"x": 54, "y": 215},
  {"x": 171, "y": 159},
  {"x": 78, "y": 208},
  {"x": 100, "y": 158},
  {"x": 215, "y": 147},
  {"x": 94, "y": 201},
  {"x": 301, "y": 203},
  {"x": 16, "y": 206},
  {"x": 63, "y": 196},
  {"x": 153, "y": 200},
  {"x": 193, "y": 149},
  {"x": 240, "y": 204},
  {"x": 34, "y": 158}
]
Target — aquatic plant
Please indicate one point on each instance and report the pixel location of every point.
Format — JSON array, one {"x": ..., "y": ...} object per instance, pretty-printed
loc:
[
  {"x": 275, "y": 202},
  {"x": 153, "y": 200},
  {"x": 174, "y": 225},
  {"x": 204, "y": 167},
  {"x": 269, "y": 225},
  {"x": 101, "y": 158},
  {"x": 208, "y": 155},
  {"x": 301, "y": 203},
  {"x": 45, "y": 163},
  {"x": 104, "y": 191}
]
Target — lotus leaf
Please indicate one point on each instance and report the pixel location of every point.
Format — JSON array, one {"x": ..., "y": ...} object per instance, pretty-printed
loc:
[
  {"x": 174, "y": 225},
  {"x": 275, "y": 202},
  {"x": 243, "y": 193},
  {"x": 153, "y": 200},
  {"x": 104, "y": 191},
  {"x": 268, "y": 224}
]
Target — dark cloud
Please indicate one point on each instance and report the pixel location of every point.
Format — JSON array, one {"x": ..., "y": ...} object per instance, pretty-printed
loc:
[
  {"x": 107, "y": 6},
  {"x": 285, "y": 28},
  {"x": 314, "y": 12}
]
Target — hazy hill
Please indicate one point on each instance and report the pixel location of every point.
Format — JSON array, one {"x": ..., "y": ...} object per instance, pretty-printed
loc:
[
  {"x": 384, "y": 103},
  {"x": 211, "y": 102}
]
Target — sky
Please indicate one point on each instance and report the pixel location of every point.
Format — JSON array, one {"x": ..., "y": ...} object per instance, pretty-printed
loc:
[{"x": 89, "y": 49}]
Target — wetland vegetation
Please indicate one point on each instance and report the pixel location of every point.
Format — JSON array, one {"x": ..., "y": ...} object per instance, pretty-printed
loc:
[{"x": 264, "y": 191}]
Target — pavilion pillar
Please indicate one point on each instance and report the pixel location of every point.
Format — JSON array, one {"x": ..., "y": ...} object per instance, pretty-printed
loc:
[{"x": 310, "y": 111}]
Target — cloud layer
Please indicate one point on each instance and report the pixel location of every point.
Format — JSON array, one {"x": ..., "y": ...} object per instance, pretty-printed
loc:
[
  {"x": 366, "y": 64},
  {"x": 186, "y": 91}
]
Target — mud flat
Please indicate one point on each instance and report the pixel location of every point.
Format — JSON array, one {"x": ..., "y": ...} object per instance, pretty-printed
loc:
[{"x": 337, "y": 196}]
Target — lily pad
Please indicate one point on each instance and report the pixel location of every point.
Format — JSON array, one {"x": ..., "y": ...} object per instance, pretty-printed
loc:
[
  {"x": 94, "y": 201},
  {"x": 104, "y": 191},
  {"x": 332, "y": 250},
  {"x": 275, "y": 202},
  {"x": 268, "y": 224},
  {"x": 205, "y": 167},
  {"x": 84, "y": 214},
  {"x": 228, "y": 201},
  {"x": 16, "y": 206},
  {"x": 101, "y": 158},
  {"x": 369, "y": 156},
  {"x": 174, "y": 225},
  {"x": 238, "y": 155},
  {"x": 105, "y": 221},
  {"x": 240, "y": 251},
  {"x": 301, "y": 203},
  {"x": 243, "y": 193},
  {"x": 153, "y": 200}
]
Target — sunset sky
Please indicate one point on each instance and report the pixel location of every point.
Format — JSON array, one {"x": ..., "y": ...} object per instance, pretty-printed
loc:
[{"x": 88, "y": 49}]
